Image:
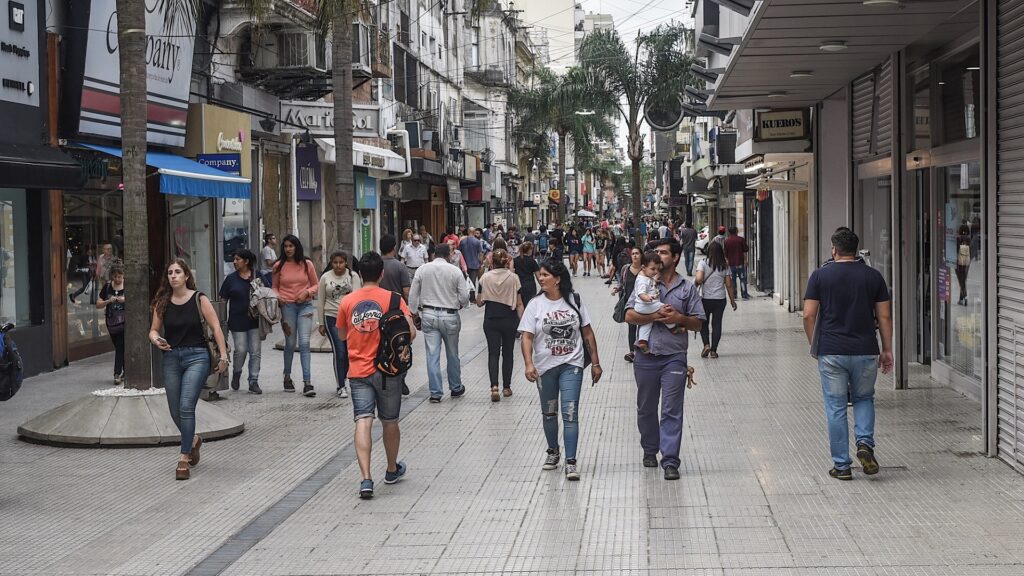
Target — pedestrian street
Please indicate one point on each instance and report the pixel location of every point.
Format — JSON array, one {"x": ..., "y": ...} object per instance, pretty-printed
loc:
[{"x": 755, "y": 496}]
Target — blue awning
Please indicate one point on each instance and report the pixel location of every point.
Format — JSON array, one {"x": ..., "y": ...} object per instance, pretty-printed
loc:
[{"x": 186, "y": 177}]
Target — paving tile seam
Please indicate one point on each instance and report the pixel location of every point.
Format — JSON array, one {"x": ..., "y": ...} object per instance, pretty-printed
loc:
[{"x": 265, "y": 522}]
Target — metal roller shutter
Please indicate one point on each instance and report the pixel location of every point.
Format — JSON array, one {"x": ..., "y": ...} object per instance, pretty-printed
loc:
[
  {"x": 883, "y": 109},
  {"x": 1009, "y": 230},
  {"x": 863, "y": 114}
]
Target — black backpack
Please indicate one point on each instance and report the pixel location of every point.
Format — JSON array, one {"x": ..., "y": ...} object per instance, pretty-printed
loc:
[
  {"x": 10, "y": 367},
  {"x": 394, "y": 354}
]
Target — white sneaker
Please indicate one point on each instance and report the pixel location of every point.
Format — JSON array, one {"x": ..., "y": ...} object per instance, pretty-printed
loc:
[
  {"x": 571, "y": 473},
  {"x": 342, "y": 392},
  {"x": 551, "y": 460}
]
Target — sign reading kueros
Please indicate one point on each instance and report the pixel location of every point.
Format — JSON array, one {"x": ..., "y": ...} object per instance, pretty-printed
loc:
[
  {"x": 782, "y": 125},
  {"x": 168, "y": 73}
]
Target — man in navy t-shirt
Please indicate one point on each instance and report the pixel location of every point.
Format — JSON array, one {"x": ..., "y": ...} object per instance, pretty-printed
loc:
[{"x": 848, "y": 300}]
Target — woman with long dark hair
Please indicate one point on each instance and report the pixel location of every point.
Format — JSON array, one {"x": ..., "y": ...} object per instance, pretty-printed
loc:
[
  {"x": 186, "y": 360},
  {"x": 555, "y": 327},
  {"x": 245, "y": 330},
  {"x": 336, "y": 283},
  {"x": 601, "y": 249},
  {"x": 613, "y": 253},
  {"x": 575, "y": 247},
  {"x": 627, "y": 283},
  {"x": 296, "y": 282},
  {"x": 526, "y": 268},
  {"x": 499, "y": 292},
  {"x": 714, "y": 277}
]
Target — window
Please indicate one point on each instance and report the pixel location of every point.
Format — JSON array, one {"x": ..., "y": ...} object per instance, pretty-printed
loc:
[
  {"x": 474, "y": 50},
  {"x": 400, "y": 76},
  {"x": 14, "y": 257},
  {"x": 293, "y": 50},
  {"x": 960, "y": 91},
  {"x": 93, "y": 236}
]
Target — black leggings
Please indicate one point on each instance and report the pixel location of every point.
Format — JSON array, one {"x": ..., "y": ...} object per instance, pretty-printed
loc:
[
  {"x": 714, "y": 310},
  {"x": 631, "y": 336},
  {"x": 118, "y": 340},
  {"x": 501, "y": 342}
]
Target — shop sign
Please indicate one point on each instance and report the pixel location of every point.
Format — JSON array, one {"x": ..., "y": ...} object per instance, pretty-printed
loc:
[
  {"x": 554, "y": 196},
  {"x": 230, "y": 163},
  {"x": 366, "y": 192},
  {"x": 307, "y": 172},
  {"x": 782, "y": 125},
  {"x": 944, "y": 284},
  {"x": 365, "y": 235},
  {"x": 375, "y": 161},
  {"x": 233, "y": 144},
  {"x": 454, "y": 192},
  {"x": 19, "y": 54},
  {"x": 318, "y": 118},
  {"x": 168, "y": 72}
]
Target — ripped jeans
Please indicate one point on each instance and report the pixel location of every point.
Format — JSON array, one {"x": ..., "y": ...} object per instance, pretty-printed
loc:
[
  {"x": 300, "y": 318},
  {"x": 565, "y": 381}
]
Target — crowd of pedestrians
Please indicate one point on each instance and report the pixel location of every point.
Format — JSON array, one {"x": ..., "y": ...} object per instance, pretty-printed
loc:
[{"x": 372, "y": 309}]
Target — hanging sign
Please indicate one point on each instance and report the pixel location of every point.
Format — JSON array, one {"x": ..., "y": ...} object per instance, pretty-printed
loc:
[{"x": 783, "y": 125}]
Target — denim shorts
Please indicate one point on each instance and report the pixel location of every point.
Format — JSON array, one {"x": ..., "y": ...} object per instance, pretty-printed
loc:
[{"x": 369, "y": 396}]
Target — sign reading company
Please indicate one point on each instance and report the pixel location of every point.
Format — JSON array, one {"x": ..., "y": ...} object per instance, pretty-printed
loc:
[
  {"x": 318, "y": 118},
  {"x": 230, "y": 163},
  {"x": 19, "y": 58},
  {"x": 783, "y": 125},
  {"x": 168, "y": 73}
]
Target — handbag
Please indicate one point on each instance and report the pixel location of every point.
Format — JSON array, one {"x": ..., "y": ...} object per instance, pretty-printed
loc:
[
  {"x": 619, "y": 314},
  {"x": 214, "y": 381},
  {"x": 114, "y": 318},
  {"x": 963, "y": 255}
]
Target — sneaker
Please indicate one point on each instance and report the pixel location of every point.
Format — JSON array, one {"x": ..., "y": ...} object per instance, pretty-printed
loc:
[
  {"x": 289, "y": 386},
  {"x": 671, "y": 473},
  {"x": 254, "y": 388},
  {"x": 392, "y": 477},
  {"x": 841, "y": 474},
  {"x": 651, "y": 461},
  {"x": 495, "y": 395},
  {"x": 506, "y": 391},
  {"x": 236, "y": 380},
  {"x": 629, "y": 357},
  {"x": 435, "y": 399},
  {"x": 307, "y": 390},
  {"x": 213, "y": 396},
  {"x": 342, "y": 392},
  {"x": 866, "y": 455},
  {"x": 571, "y": 472},
  {"x": 405, "y": 389},
  {"x": 118, "y": 379},
  {"x": 366, "y": 489},
  {"x": 458, "y": 392},
  {"x": 551, "y": 461}
]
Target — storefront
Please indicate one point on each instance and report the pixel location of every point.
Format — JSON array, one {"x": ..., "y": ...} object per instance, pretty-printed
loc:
[{"x": 31, "y": 172}]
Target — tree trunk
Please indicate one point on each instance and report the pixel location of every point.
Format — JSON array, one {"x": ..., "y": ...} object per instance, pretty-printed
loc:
[
  {"x": 131, "y": 24},
  {"x": 344, "y": 179},
  {"x": 561, "y": 179},
  {"x": 636, "y": 154}
]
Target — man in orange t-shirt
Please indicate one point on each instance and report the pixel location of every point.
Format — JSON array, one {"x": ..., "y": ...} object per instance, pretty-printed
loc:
[{"x": 359, "y": 317}]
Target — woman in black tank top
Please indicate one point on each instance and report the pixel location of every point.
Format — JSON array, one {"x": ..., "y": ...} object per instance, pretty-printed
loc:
[{"x": 186, "y": 361}]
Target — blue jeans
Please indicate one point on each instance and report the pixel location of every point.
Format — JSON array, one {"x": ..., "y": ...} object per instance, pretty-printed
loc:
[
  {"x": 853, "y": 375},
  {"x": 185, "y": 371},
  {"x": 247, "y": 342},
  {"x": 438, "y": 327},
  {"x": 300, "y": 318},
  {"x": 340, "y": 349},
  {"x": 739, "y": 279},
  {"x": 688, "y": 258},
  {"x": 560, "y": 389}
]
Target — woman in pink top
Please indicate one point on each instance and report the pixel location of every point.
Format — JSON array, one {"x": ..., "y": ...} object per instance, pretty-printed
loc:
[{"x": 296, "y": 282}]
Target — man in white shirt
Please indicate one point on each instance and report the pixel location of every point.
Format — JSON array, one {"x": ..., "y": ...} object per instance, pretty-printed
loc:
[
  {"x": 438, "y": 292},
  {"x": 268, "y": 256},
  {"x": 414, "y": 255}
]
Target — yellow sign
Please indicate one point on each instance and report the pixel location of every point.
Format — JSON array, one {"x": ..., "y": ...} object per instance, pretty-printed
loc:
[{"x": 554, "y": 195}]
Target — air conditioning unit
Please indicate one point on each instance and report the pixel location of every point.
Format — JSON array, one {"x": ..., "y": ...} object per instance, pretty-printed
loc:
[
  {"x": 291, "y": 50},
  {"x": 430, "y": 140}
]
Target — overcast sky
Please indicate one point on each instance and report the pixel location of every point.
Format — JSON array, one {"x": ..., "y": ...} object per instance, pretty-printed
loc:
[{"x": 633, "y": 15}]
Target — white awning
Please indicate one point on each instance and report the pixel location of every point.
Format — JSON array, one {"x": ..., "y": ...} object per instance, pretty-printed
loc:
[{"x": 364, "y": 156}]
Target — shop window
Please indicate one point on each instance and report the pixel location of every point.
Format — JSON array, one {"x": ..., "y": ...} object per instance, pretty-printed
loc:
[
  {"x": 961, "y": 269},
  {"x": 14, "y": 257},
  {"x": 94, "y": 241},
  {"x": 235, "y": 216},
  {"x": 960, "y": 94},
  {"x": 875, "y": 230},
  {"x": 191, "y": 235}
]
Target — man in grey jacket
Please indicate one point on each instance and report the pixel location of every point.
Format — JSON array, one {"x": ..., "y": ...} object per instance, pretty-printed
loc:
[{"x": 438, "y": 292}]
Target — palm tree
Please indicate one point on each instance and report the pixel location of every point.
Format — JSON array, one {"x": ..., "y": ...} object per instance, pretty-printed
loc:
[
  {"x": 553, "y": 103},
  {"x": 655, "y": 76}
]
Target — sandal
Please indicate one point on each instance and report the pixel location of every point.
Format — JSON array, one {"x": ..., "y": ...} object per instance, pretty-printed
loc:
[
  {"x": 704, "y": 353},
  {"x": 713, "y": 354},
  {"x": 182, "y": 472},
  {"x": 507, "y": 391},
  {"x": 494, "y": 394},
  {"x": 193, "y": 458}
]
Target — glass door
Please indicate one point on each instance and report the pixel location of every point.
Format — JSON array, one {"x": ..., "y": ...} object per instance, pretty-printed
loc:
[
  {"x": 875, "y": 230},
  {"x": 192, "y": 239},
  {"x": 921, "y": 271}
]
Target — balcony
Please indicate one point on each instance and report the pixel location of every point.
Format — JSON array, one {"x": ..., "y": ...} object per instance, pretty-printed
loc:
[
  {"x": 291, "y": 64},
  {"x": 371, "y": 53},
  {"x": 493, "y": 76}
]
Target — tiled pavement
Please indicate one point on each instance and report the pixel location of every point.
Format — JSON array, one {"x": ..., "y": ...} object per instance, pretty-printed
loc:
[{"x": 754, "y": 498}]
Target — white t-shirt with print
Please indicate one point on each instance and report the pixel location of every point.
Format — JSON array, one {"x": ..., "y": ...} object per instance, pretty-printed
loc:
[{"x": 556, "y": 330}]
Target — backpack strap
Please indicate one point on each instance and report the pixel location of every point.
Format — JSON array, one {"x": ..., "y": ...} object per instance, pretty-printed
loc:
[{"x": 395, "y": 304}]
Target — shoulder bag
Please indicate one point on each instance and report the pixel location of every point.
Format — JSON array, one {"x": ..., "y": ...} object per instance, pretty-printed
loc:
[{"x": 214, "y": 381}]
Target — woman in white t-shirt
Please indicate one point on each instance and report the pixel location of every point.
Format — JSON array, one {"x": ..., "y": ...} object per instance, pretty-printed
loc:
[
  {"x": 335, "y": 284},
  {"x": 555, "y": 327},
  {"x": 714, "y": 277}
]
